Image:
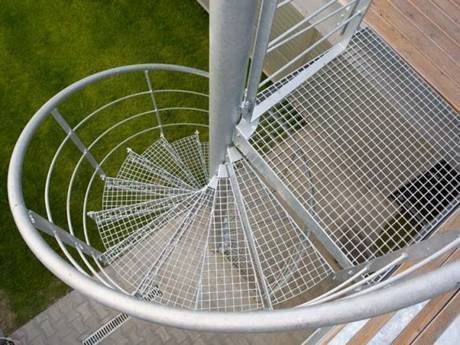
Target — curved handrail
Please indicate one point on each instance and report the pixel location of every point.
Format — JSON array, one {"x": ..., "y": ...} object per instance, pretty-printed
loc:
[{"x": 81, "y": 84}]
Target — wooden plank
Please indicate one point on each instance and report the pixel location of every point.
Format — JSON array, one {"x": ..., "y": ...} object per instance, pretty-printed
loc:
[
  {"x": 331, "y": 334},
  {"x": 436, "y": 327},
  {"x": 449, "y": 9},
  {"x": 424, "y": 67},
  {"x": 419, "y": 40},
  {"x": 370, "y": 329},
  {"x": 427, "y": 314},
  {"x": 373, "y": 326},
  {"x": 411, "y": 332},
  {"x": 423, "y": 22},
  {"x": 439, "y": 18}
]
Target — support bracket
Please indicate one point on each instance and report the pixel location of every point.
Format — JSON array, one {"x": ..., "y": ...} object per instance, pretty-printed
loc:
[{"x": 51, "y": 229}]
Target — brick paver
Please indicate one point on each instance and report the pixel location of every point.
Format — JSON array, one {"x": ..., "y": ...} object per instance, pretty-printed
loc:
[{"x": 74, "y": 316}]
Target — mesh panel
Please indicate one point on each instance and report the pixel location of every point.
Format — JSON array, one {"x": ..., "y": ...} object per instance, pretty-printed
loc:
[
  {"x": 363, "y": 144},
  {"x": 135, "y": 257},
  {"x": 290, "y": 263},
  {"x": 228, "y": 281},
  {"x": 162, "y": 154},
  {"x": 190, "y": 152},
  {"x": 117, "y": 223},
  {"x": 179, "y": 270},
  {"x": 120, "y": 192},
  {"x": 140, "y": 169}
]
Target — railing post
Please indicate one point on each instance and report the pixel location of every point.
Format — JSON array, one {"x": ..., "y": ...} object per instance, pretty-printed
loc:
[
  {"x": 350, "y": 28},
  {"x": 77, "y": 141},
  {"x": 231, "y": 31},
  {"x": 154, "y": 101},
  {"x": 263, "y": 30}
]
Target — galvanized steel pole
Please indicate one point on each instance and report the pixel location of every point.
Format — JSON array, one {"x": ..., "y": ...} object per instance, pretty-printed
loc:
[{"x": 231, "y": 31}]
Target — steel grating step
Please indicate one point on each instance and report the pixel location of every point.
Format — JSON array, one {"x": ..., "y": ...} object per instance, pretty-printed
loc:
[
  {"x": 190, "y": 152},
  {"x": 210, "y": 249},
  {"x": 162, "y": 154}
]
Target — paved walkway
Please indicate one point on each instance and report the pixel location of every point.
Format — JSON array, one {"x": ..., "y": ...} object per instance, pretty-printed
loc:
[{"x": 73, "y": 317}]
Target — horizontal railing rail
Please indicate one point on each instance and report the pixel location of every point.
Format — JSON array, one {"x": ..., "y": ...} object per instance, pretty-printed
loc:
[{"x": 338, "y": 21}]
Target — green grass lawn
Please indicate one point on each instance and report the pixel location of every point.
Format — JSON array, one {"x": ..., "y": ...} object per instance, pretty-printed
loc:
[{"x": 45, "y": 46}]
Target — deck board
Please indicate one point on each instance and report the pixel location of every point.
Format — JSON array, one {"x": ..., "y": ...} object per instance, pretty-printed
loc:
[
  {"x": 450, "y": 8},
  {"x": 428, "y": 314},
  {"x": 427, "y": 35},
  {"x": 432, "y": 31}
]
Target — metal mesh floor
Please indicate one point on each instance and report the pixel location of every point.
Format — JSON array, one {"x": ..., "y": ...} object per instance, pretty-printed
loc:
[
  {"x": 369, "y": 149},
  {"x": 229, "y": 280}
]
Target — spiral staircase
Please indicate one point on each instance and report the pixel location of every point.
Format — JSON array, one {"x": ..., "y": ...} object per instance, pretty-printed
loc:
[
  {"x": 176, "y": 237},
  {"x": 295, "y": 212}
]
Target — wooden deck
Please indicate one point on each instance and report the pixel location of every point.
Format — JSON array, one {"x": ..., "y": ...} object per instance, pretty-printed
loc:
[{"x": 427, "y": 34}]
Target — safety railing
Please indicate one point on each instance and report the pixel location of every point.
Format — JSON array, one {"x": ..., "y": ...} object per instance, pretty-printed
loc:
[
  {"x": 117, "y": 133},
  {"x": 335, "y": 20}
]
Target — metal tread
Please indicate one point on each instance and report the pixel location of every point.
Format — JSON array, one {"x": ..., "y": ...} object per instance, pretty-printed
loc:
[
  {"x": 162, "y": 154},
  {"x": 116, "y": 223},
  {"x": 290, "y": 263},
  {"x": 138, "y": 209},
  {"x": 122, "y": 192},
  {"x": 177, "y": 272},
  {"x": 228, "y": 281},
  {"x": 139, "y": 235},
  {"x": 190, "y": 152},
  {"x": 139, "y": 168}
]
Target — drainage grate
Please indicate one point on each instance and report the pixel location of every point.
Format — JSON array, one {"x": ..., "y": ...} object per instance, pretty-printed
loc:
[
  {"x": 106, "y": 329},
  {"x": 6, "y": 341}
]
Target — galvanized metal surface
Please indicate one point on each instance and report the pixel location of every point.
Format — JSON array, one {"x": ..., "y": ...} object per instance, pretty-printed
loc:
[
  {"x": 55, "y": 231},
  {"x": 230, "y": 26}
]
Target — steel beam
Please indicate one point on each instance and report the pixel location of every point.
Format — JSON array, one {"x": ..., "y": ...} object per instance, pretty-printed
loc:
[
  {"x": 264, "y": 28},
  {"x": 414, "y": 252}
]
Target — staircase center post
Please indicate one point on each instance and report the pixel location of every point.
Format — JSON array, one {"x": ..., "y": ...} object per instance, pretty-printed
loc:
[{"x": 231, "y": 32}]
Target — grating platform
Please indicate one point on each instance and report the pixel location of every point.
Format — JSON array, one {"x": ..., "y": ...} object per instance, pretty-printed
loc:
[{"x": 362, "y": 144}]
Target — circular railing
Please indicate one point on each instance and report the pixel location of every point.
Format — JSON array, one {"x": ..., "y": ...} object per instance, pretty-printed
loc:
[{"x": 359, "y": 293}]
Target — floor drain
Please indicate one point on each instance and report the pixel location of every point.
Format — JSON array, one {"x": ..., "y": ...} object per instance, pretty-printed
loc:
[{"x": 105, "y": 330}]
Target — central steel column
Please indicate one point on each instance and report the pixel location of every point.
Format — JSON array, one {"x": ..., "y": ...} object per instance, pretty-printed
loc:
[{"x": 231, "y": 30}]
